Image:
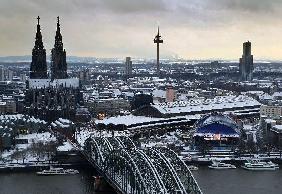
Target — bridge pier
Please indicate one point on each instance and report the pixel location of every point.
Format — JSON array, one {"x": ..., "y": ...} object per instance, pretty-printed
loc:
[{"x": 101, "y": 185}]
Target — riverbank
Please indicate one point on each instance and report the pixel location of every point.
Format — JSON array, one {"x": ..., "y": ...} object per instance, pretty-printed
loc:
[{"x": 33, "y": 167}]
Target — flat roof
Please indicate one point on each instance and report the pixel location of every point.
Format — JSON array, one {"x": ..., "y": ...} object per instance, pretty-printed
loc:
[{"x": 195, "y": 105}]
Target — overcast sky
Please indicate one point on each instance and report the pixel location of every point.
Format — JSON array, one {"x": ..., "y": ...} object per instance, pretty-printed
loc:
[{"x": 191, "y": 29}]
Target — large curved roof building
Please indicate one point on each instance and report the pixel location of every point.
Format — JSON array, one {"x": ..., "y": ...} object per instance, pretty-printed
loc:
[{"x": 217, "y": 127}]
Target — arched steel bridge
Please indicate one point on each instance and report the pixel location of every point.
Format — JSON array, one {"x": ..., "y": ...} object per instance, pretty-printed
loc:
[{"x": 131, "y": 170}]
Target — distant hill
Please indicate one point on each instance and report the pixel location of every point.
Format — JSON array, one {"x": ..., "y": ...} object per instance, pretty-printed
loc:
[
  {"x": 11, "y": 59},
  {"x": 27, "y": 58},
  {"x": 76, "y": 59}
]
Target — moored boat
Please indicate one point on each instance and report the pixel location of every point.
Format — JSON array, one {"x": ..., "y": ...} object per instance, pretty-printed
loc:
[
  {"x": 57, "y": 171},
  {"x": 260, "y": 165},
  {"x": 192, "y": 167},
  {"x": 12, "y": 166},
  {"x": 221, "y": 165}
]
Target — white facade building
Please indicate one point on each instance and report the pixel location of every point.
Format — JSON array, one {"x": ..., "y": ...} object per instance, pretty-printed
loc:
[{"x": 271, "y": 111}]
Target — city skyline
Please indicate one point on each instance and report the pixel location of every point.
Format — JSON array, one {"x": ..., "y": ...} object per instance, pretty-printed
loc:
[{"x": 193, "y": 30}]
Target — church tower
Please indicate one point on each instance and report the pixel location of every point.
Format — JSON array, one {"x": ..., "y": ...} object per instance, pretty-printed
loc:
[
  {"x": 58, "y": 58},
  {"x": 38, "y": 66}
]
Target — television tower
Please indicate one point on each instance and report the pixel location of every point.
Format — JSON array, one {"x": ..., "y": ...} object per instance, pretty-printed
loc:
[{"x": 158, "y": 40}]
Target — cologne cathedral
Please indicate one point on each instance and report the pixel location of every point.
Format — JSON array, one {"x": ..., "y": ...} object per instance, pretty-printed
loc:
[{"x": 54, "y": 96}]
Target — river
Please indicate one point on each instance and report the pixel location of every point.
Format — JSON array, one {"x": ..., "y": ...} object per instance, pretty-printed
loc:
[
  {"x": 30, "y": 183},
  {"x": 239, "y": 181},
  {"x": 211, "y": 181}
]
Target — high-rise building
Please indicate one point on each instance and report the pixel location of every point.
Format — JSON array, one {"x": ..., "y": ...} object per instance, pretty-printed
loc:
[
  {"x": 128, "y": 66},
  {"x": 246, "y": 65},
  {"x": 170, "y": 95},
  {"x": 38, "y": 67},
  {"x": 23, "y": 77},
  {"x": 158, "y": 40},
  {"x": 84, "y": 75},
  {"x": 2, "y": 75},
  {"x": 58, "y": 60},
  {"x": 10, "y": 75}
]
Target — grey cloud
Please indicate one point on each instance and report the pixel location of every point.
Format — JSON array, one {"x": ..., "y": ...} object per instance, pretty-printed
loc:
[
  {"x": 12, "y": 7},
  {"x": 251, "y": 6},
  {"x": 133, "y": 6},
  {"x": 126, "y": 21}
]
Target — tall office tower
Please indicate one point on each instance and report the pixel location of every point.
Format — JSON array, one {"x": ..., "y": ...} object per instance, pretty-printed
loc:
[
  {"x": 10, "y": 75},
  {"x": 38, "y": 66},
  {"x": 246, "y": 66},
  {"x": 128, "y": 66},
  {"x": 2, "y": 75},
  {"x": 158, "y": 40},
  {"x": 23, "y": 77},
  {"x": 58, "y": 58}
]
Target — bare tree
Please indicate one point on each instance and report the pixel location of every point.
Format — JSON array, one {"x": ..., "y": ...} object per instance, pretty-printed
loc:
[
  {"x": 251, "y": 146},
  {"x": 23, "y": 154},
  {"x": 204, "y": 147},
  {"x": 16, "y": 155},
  {"x": 37, "y": 149},
  {"x": 50, "y": 148},
  {"x": 1, "y": 156}
]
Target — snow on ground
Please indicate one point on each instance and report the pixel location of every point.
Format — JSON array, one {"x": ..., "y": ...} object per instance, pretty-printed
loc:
[
  {"x": 65, "y": 147},
  {"x": 85, "y": 133},
  {"x": 164, "y": 140},
  {"x": 31, "y": 138},
  {"x": 37, "y": 137}
]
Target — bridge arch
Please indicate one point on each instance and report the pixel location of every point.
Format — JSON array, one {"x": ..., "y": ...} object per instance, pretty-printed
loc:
[
  {"x": 127, "y": 142},
  {"x": 132, "y": 170},
  {"x": 153, "y": 181},
  {"x": 186, "y": 177},
  {"x": 166, "y": 171},
  {"x": 91, "y": 147},
  {"x": 121, "y": 169}
]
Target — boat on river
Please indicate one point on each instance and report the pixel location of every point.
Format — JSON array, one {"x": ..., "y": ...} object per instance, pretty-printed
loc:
[
  {"x": 58, "y": 171},
  {"x": 192, "y": 167},
  {"x": 260, "y": 165},
  {"x": 221, "y": 165}
]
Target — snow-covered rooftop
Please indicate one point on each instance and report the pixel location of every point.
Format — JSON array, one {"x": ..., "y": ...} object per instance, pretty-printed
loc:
[
  {"x": 198, "y": 105},
  {"x": 143, "y": 121},
  {"x": 44, "y": 83},
  {"x": 127, "y": 120}
]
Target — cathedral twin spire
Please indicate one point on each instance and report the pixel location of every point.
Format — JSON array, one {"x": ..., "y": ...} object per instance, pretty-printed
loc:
[
  {"x": 38, "y": 39},
  {"x": 58, "y": 37},
  {"x": 38, "y": 67},
  {"x": 58, "y": 58}
]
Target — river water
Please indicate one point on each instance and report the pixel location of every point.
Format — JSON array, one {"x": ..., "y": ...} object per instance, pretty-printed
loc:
[
  {"x": 236, "y": 181},
  {"x": 30, "y": 183},
  {"x": 239, "y": 181}
]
